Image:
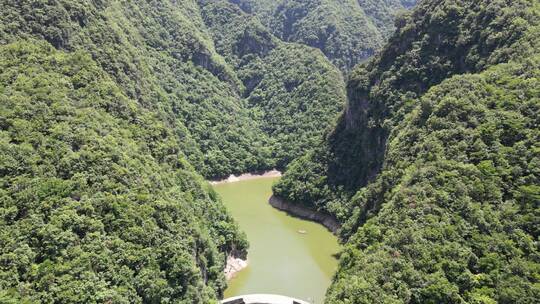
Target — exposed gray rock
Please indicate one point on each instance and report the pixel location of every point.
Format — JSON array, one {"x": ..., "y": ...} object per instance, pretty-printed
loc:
[{"x": 304, "y": 212}]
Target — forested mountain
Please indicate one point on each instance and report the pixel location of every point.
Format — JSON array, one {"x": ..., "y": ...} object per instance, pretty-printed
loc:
[
  {"x": 160, "y": 55},
  {"x": 111, "y": 112},
  {"x": 347, "y": 31},
  {"x": 94, "y": 207},
  {"x": 293, "y": 90},
  {"x": 108, "y": 110},
  {"x": 432, "y": 168}
]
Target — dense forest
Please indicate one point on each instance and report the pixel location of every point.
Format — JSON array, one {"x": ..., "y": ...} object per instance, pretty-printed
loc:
[
  {"x": 347, "y": 31},
  {"x": 112, "y": 114},
  {"x": 288, "y": 86},
  {"x": 432, "y": 168},
  {"x": 214, "y": 96},
  {"x": 159, "y": 55},
  {"x": 94, "y": 206},
  {"x": 417, "y": 130}
]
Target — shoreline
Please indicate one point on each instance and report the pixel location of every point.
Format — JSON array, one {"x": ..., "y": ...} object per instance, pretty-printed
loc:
[
  {"x": 246, "y": 176},
  {"x": 305, "y": 213},
  {"x": 233, "y": 266}
]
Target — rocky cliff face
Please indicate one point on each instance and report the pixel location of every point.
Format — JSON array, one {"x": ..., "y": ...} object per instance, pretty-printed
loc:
[
  {"x": 305, "y": 212},
  {"x": 431, "y": 44},
  {"x": 423, "y": 165}
]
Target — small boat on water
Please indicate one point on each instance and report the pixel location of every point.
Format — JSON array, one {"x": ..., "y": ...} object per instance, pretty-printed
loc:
[{"x": 302, "y": 231}]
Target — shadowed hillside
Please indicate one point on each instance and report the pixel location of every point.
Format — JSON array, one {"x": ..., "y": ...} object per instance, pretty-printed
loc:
[
  {"x": 347, "y": 32},
  {"x": 431, "y": 167}
]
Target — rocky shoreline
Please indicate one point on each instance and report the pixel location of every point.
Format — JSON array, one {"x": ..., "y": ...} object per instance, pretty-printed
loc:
[
  {"x": 233, "y": 266},
  {"x": 326, "y": 220},
  {"x": 246, "y": 176}
]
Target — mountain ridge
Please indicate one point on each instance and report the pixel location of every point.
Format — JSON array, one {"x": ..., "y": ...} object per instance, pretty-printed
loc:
[{"x": 429, "y": 167}]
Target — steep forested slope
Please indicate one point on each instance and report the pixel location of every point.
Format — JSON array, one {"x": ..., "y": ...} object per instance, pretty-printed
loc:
[
  {"x": 110, "y": 110},
  {"x": 294, "y": 91},
  {"x": 433, "y": 166},
  {"x": 160, "y": 55},
  {"x": 457, "y": 205},
  {"x": 99, "y": 204},
  {"x": 347, "y": 32}
]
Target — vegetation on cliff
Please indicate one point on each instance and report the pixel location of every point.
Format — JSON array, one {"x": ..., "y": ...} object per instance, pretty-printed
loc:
[
  {"x": 196, "y": 63},
  {"x": 111, "y": 112},
  {"x": 160, "y": 55},
  {"x": 99, "y": 204},
  {"x": 432, "y": 168},
  {"x": 293, "y": 90},
  {"x": 346, "y": 31}
]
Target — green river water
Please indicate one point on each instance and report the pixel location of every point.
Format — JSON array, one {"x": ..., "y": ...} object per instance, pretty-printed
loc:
[{"x": 281, "y": 260}]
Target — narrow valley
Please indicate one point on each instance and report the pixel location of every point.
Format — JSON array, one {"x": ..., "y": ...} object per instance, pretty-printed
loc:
[{"x": 410, "y": 129}]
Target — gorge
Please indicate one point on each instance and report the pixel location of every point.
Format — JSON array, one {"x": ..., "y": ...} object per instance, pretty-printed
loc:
[{"x": 409, "y": 129}]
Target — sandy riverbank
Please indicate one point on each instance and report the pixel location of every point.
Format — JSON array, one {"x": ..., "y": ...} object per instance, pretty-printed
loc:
[{"x": 246, "y": 176}]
